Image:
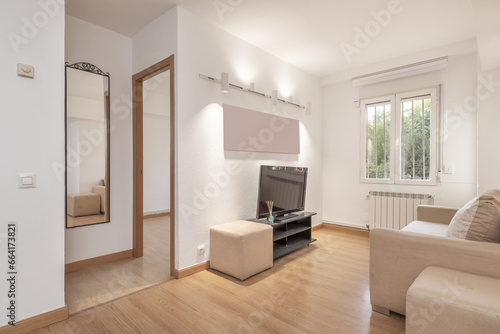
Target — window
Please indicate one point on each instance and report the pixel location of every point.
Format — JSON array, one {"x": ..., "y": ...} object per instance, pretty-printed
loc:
[
  {"x": 398, "y": 144},
  {"x": 378, "y": 139}
]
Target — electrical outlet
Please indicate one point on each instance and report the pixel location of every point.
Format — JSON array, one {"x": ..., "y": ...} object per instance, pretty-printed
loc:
[
  {"x": 449, "y": 169},
  {"x": 201, "y": 249}
]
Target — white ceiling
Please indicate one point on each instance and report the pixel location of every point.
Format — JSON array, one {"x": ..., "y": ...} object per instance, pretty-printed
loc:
[
  {"x": 126, "y": 17},
  {"x": 306, "y": 33}
]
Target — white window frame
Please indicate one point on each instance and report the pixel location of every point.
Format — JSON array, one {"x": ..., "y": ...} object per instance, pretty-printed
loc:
[
  {"x": 433, "y": 142},
  {"x": 395, "y": 143},
  {"x": 368, "y": 102}
]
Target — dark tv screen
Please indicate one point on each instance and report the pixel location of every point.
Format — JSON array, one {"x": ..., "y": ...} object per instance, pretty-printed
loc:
[{"x": 285, "y": 186}]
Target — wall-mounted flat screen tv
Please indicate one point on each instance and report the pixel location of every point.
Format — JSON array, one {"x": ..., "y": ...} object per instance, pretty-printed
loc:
[{"x": 285, "y": 186}]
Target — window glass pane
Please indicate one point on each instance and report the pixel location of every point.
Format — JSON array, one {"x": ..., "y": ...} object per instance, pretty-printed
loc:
[
  {"x": 387, "y": 153},
  {"x": 370, "y": 142},
  {"x": 415, "y": 138},
  {"x": 378, "y": 120},
  {"x": 427, "y": 135}
]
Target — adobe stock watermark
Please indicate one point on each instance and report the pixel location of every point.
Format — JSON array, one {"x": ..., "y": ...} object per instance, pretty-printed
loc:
[
  {"x": 224, "y": 6},
  {"x": 120, "y": 286},
  {"x": 121, "y": 108},
  {"x": 220, "y": 180},
  {"x": 419, "y": 318},
  {"x": 31, "y": 26},
  {"x": 363, "y": 36},
  {"x": 289, "y": 283},
  {"x": 486, "y": 86},
  {"x": 91, "y": 139},
  {"x": 456, "y": 115}
]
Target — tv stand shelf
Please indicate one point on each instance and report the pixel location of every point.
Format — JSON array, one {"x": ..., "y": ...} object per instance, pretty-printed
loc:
[{"x": 290, "y": 232}]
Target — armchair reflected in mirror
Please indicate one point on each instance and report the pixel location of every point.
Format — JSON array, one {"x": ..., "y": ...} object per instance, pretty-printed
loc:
[{"x": 87, "y": 145}]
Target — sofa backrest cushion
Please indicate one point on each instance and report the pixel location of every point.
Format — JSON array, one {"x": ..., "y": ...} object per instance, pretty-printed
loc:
[
  {"x": 479, "y": 219},
  {"x": 429, "y": 228}
]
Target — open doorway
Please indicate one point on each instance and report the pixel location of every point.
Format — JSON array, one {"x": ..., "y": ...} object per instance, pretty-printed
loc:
[
  {"x": 156, "y": 170},
  {"x": 154, "y": 186},
  {"x": 101, "y": 283}
]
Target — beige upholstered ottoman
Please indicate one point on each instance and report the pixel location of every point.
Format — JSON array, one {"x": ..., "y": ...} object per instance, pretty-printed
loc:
[
  {"x": 84, "y": 204},
  {"x": 241, "y": 248},
  {"x": 449, "y": 301}
]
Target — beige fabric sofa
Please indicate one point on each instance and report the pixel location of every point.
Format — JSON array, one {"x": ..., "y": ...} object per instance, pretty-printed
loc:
[
  {"x": 398, "y": 257},
  {"x": 449, "y": 301},
  {"x": 101, "y": 191}
]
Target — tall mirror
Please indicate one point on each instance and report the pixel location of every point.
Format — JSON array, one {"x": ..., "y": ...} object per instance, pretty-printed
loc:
[{"x": 87, "y": 145}]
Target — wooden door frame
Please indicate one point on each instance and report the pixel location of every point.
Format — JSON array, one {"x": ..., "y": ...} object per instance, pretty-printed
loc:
[{"x": 137, "y": 98}]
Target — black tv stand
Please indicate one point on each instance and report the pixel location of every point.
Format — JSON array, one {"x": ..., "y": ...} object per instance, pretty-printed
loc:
[
  {"x": 285, "y": 217},
  {"x": 290, "y": 233}
]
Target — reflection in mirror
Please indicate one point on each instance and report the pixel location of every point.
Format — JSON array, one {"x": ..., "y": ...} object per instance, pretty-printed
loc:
[{"x": 87, "y": 145}]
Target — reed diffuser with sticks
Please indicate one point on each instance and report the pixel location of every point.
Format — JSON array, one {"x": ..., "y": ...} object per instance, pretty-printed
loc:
[{"x": 270, "y": 208}]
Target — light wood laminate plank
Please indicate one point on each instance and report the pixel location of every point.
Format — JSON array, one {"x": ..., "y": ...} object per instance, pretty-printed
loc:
[
  {"x": 86, "y": 288},
  {"x": 36, "y": 322},
  {"x": 321, "y": 288}
]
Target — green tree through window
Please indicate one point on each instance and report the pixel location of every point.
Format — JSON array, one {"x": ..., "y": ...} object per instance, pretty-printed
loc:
[
  {"x": 397, "y": 138},
  {"x": 415, "y": 138},
  {"x": 378, "y": 141}
]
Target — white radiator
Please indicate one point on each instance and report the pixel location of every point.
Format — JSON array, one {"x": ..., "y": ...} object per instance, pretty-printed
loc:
[{"x": 395, "y": 210}]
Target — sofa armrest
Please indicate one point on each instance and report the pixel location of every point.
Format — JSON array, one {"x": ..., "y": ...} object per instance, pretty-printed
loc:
[
  {"x": 435, "y": 214},
  {"x": 398, "y": 257},
  {"x": 101, "y": 190}
]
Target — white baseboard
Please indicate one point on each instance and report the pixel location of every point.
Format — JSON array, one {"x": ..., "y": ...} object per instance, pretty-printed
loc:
[
  {"x": 155, "y": 212},
  {"x": 346, "y": 225}
]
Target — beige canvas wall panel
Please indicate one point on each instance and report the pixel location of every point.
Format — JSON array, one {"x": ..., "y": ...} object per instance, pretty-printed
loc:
[{"x": 253, "y": 131}]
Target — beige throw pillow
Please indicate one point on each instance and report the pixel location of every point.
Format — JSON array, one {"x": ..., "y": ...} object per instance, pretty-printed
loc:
[{"x": 479, "y": 219}]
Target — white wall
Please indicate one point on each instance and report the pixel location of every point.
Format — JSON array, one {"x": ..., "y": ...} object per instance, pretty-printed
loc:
[
  {"x": 86, "y": 158},
  {"x": 344, "y": 197},
  {"x": 488, "y": 131},
  {"x": 156, "y": 164},
  {"x": 152, "y": 44},
  {"x": 112, "y": 53},
  {"x": 156, "y": 144},
  {"x": 93, "y": 161},
  {"x": 207, "y": 193},
  {"x": 32, "y": 137},
  {"x": 73, "y": 142},
  {"x": 155, "y": 42}
]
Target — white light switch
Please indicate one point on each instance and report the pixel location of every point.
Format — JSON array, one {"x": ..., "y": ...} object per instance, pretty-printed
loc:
[
  {"x": 26, "y": 180},
  {"x": 24, "y": 70}
]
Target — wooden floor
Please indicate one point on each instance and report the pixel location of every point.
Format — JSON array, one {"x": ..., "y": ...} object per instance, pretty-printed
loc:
[
  {"x": 92, "y": 286},
  {"x": 322, "y": 288},
  {"x": 84, "y": 220}
]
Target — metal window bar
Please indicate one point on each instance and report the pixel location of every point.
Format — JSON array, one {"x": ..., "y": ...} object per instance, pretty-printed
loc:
[
  {"x": 367, "y": 143},
  {"x": 377, "y": 110},
  {"x": 403, "y": 148},
  {"x": 423, "y": 139},
  {"x": 413, "y": 138},
  {"x": 385, "y": 149},
  {"x": 376, "y": 143},
  {"x": 413, "y": 100}
]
